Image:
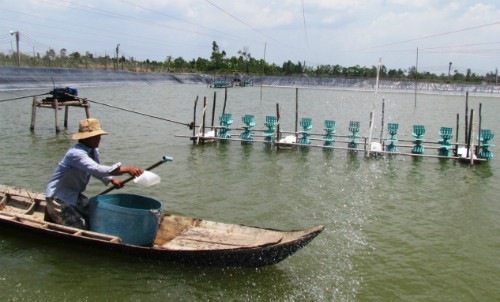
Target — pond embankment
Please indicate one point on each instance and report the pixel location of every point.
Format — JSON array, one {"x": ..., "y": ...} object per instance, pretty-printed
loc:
[{"x": 14, "y": 78}]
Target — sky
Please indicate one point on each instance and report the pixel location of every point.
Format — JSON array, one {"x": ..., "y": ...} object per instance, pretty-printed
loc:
[{"x": 401, "y": 34}]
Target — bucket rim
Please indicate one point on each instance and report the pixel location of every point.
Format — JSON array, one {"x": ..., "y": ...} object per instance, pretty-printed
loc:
[{"x": 94, "y": 200}]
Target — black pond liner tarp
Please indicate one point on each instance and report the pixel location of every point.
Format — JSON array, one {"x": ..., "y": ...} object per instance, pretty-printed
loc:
[{"x": 15, "y": 78}]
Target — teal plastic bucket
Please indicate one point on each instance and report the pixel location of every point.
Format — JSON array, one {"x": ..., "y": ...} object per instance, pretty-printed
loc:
[{"x": 133, "y": 218}]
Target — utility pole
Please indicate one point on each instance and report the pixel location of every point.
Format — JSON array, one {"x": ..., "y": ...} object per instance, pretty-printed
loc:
[
  {"x": 378, "y": 74},
  {"x": 18, "y": 56},
  {"x": 117, "y": 50},
  {"x": 416, "y": 79},
  {"x": 449, "y": 70},
  {"x": 263, "y": 70}
]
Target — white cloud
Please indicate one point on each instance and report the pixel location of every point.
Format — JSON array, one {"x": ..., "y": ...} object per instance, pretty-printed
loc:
[
  {"x": 336, "y": 29},
  {"x": 412, "y": 3}
]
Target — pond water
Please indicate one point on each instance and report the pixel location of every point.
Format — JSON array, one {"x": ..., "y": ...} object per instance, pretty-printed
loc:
[{"x": 396, "y": 228}]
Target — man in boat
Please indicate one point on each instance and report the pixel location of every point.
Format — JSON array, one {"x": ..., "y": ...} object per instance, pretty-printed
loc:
[{"x": 66, "y": 203}]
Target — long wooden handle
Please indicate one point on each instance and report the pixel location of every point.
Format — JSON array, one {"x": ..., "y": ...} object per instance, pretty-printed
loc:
[{"x": 164, "y": 159}]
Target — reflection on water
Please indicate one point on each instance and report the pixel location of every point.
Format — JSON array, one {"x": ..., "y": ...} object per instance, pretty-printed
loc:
[{"x": 396, "y": 228}]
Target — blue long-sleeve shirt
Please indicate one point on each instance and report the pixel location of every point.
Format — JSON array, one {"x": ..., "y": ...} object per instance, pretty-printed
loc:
[{"x": 73, "y": 173}]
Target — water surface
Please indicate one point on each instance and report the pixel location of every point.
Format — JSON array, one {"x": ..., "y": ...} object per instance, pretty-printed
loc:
[{"x": 396, "y": 229}]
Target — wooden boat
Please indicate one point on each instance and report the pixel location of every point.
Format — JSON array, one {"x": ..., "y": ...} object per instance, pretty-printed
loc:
[{"x": 179, "y": 238}]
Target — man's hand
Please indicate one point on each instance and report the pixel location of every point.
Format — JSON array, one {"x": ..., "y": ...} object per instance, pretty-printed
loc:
[
  {"x": 134, "y": 171},
  {"x": 117, "y": 183}
]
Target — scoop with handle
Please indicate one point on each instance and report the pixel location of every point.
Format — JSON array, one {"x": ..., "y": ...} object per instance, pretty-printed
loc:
[
  {"x": 164, "y": 159},
  {"x": 147, "y": 179}
]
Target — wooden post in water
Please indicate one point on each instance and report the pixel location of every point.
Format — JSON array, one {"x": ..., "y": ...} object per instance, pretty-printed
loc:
[
  {"x": 296, "y": 113},
  {"x": 368, "y": 145},
  {"x": 278, "y": 131},
  {"x": 56, "y": 109},
  {"x": 213, "y": 111},
  {"x": 194, "y": 119},
  {"x": 479, "y": 130},
  {"x": 456, "y": 134},
  {"x": 87, "y": 108},
  {"x": 225, "y": 100},
  {"x": 33, "y": 114},
  {"x": 205, "y": 103},
  {"x": 66, "y": 114},
  {"x": 471, "y": 138},
  {"x": 469, "y": 135},
  {"x": 382, "y": 126},
  {"x": 202, "y": 125},
  {"x": 466, "y": 137}
]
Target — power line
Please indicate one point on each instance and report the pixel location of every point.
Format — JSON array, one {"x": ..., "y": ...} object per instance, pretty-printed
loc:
[
  {"x": 243, "y": 22},
  {"x": 98, "y": 30},
  {"x": 181, "y": 20},
  {"x": 463, "y": 49},
  {"x": 463, "y": 45},
  {"x": 98, "y": 11},
  {"x": 92, "y": 10},
  {"x": 108, "y": 14},
  {"x": 432, "y": 36},
  {"x": 88, "y": 9},
  {"x": 35, "y": 43},
  {"x": 305, "y": 27}
]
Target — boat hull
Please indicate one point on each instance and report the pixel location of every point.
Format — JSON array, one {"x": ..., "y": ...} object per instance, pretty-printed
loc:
[{"x": 180, "y": 239}]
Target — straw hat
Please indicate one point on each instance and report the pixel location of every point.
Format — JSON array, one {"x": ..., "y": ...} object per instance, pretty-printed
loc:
[{"x": 88, "y": 128}]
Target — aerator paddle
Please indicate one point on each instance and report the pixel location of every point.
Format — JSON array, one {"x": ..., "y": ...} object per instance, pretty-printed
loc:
[{"x": 164, "y": 159}]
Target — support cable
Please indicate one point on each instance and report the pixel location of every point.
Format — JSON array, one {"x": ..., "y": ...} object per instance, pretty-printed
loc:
[
  {"x": 136, "y": 112},
  {"x": 22, "y": 97}
]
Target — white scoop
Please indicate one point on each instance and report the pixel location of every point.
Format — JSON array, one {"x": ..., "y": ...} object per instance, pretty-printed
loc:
[{"x": 147, "y": 178}]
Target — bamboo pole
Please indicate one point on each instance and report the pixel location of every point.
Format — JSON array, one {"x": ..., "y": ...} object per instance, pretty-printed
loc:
[
  {"x": 278, "y": 132},
  {"x": 87, "y": 108},
  {"x": 456, "y": 134},
  {"x": 469, "y": 134},
  {"x": 466, "y": 137},
  {"x": 66, "y": 115},
  {"x": 194, "y": 118},
  {"x": 296, "y": 113},
  {"x": 202, "y": 126},
  {"x": 213, "y": 108},
  {"x": 205, "y": 104},
  {"x": 225, "y": 100},
  {"x": 471, "y": 137},
  {"x": 368, "y": 148},
  {"x": 382, "y": 126},
  {"x": 56, "y": 109},
  {"x": 33, "y": 114},
  {"x": 479, "y": 130}
]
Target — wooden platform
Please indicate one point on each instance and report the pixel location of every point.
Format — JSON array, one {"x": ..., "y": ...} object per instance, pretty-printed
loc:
[{"x": 56, "y": 105}]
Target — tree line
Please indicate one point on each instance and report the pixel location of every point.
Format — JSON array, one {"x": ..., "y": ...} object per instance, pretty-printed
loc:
[{"x": 242, "y": 64}]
